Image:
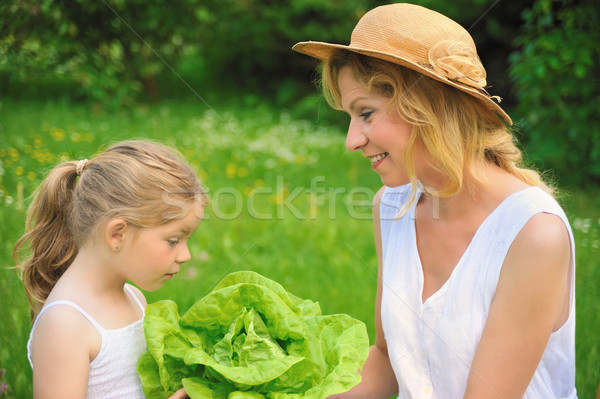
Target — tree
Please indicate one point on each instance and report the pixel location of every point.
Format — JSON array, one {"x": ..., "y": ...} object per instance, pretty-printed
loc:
[
  {"x": 112, "y": 49},
  {"x": 557, "y": 82}
]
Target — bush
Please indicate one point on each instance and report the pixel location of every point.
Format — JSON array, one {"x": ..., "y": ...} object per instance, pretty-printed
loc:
[
  {"x": 112, "y": 50},
  {"x": 117, "y": 52},
  {"x": 557, "y": 81}
]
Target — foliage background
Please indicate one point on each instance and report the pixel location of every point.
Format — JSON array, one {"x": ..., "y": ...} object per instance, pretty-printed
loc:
[
  {"x": 78, "y": 74},
  {"x": 541, "y": 56}
]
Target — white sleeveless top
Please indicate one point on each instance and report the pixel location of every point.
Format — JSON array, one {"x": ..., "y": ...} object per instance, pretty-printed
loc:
[
  {"x": 431, "y": 345},
  {"x": 113, "y": 372}
]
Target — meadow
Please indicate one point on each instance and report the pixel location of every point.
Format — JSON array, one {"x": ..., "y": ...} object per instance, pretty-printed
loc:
[{"x": 287, "y": 201}]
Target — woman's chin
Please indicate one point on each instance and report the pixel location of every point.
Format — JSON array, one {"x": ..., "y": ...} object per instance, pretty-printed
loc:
[{"x": 394, "y": 181}]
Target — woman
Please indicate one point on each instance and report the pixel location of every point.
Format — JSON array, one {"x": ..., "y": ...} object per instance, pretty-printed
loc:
[{"x": 475, "y": 293}]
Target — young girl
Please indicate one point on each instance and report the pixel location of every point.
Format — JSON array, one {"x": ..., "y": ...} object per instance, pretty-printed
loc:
[
  {"x": 125, "y": 215},
  {"x": 475, "y": 293}
]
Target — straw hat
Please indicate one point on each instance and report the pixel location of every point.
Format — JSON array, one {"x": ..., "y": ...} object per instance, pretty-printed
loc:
[{"x": 420, "y": 39}]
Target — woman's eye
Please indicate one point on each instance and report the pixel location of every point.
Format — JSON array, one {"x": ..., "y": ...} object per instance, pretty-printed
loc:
[{"x": 366, "y": 115}]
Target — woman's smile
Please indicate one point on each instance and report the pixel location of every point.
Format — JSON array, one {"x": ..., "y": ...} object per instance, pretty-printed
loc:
[{"x": 377, "y": 159}]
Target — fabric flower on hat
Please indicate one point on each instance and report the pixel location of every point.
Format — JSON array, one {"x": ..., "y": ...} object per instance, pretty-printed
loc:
[{"x": 458, "y": 62}]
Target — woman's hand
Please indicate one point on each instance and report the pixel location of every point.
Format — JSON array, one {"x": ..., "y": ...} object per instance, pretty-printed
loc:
[{"x": 180, "y": 394}]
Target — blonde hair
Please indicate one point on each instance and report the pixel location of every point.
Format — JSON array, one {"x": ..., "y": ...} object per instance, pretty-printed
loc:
[
  {"x": 145, "y": 183},
  {"x": 458, "y": 130}
]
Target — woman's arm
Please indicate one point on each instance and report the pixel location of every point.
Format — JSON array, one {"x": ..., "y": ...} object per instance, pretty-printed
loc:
[
  {"x": 378, "y": 378},
  {"x": 531, "y": 301}
]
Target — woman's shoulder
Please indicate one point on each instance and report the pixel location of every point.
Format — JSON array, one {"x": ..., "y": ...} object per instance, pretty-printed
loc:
[
  {"x": 534, "y": 200},
  {"x": 544, "y": 232},
  {"x": 543, "y": 243}
]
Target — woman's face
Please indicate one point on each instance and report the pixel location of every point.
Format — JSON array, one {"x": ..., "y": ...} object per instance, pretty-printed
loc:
[{"x": 381, "y": 138}]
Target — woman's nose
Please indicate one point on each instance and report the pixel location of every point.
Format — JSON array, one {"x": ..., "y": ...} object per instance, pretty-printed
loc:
[{"x": 355, "y": 139}]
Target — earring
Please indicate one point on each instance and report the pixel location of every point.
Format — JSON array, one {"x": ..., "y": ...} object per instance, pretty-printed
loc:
[{"x": 116, "y": 246}]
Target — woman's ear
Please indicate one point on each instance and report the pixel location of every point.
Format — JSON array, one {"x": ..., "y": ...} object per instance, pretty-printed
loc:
[{"x": 114, "y": 233}]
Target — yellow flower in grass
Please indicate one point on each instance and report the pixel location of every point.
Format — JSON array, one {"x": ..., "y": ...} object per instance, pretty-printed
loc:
[
  {"x": 19, "y": 170},
  {"x": 300, "y": 159},
  {"x": 35, "y": 155},
  {"x": 242, "y": 172},
  {"x": 230, "y": 171},
  {"x": 189, "y": 153},
  {"x": 57, "y": 134},
  {"x": 281, "y": 196},
  {"x": 31, "y": 176},
  {"x": 13, "y": 154},
  {"x": 75, "y": 137},
  {"x": 89, "y": 136}
]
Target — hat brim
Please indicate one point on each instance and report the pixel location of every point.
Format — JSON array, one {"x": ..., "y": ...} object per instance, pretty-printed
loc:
[{"x": 322, "y": 51}]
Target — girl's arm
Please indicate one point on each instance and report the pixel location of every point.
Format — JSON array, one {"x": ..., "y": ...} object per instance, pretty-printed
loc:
[
  {"x": 62, "y": 343},
  {"x": 61, "y": 347},
  {"x": 531, "y": 301},
  {"x": 378, "y": 378}
]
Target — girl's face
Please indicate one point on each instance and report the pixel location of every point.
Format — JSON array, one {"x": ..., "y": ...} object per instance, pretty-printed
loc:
[
  {"x": 153, "y": 255},
  {"x": 381, "y": 138}
]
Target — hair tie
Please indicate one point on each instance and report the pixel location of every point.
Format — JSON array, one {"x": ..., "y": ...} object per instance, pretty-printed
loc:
[{"x": 81, "y": 166}]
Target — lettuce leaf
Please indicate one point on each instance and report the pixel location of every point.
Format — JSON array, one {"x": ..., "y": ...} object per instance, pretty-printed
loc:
[{"x": 250, "y": 339}]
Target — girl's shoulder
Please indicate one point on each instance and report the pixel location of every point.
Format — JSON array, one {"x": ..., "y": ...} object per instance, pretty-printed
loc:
[
  {"x": 138, "y": 294},
  {"x": 60, "y": 329},
  {"x": 62, "y": 318}
]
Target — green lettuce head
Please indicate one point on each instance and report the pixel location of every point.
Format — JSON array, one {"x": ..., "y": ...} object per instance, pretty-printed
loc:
[{"x": 250, "y": 339}]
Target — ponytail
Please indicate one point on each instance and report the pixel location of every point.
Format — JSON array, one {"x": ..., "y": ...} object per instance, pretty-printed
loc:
[{"x": 48, "y": 247}]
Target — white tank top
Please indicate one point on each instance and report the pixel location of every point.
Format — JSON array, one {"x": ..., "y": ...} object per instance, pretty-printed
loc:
[
  {"x": 113, "y": 372},
  {"x": 431, "y": 345}
]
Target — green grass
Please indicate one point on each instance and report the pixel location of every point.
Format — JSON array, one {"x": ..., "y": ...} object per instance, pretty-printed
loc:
[{"x": 285, "y": 203}]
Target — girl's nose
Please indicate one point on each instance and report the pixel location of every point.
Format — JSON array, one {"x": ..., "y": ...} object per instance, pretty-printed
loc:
[{"x": 184, "y": 255}]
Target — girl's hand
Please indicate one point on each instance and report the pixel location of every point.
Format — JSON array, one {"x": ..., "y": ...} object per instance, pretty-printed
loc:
[{"x": 180, "y": 394}]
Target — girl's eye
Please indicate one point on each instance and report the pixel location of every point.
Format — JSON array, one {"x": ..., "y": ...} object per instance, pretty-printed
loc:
[
  {"x": 366, "y": 115},
  {"x": 173, "y": 241}
]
